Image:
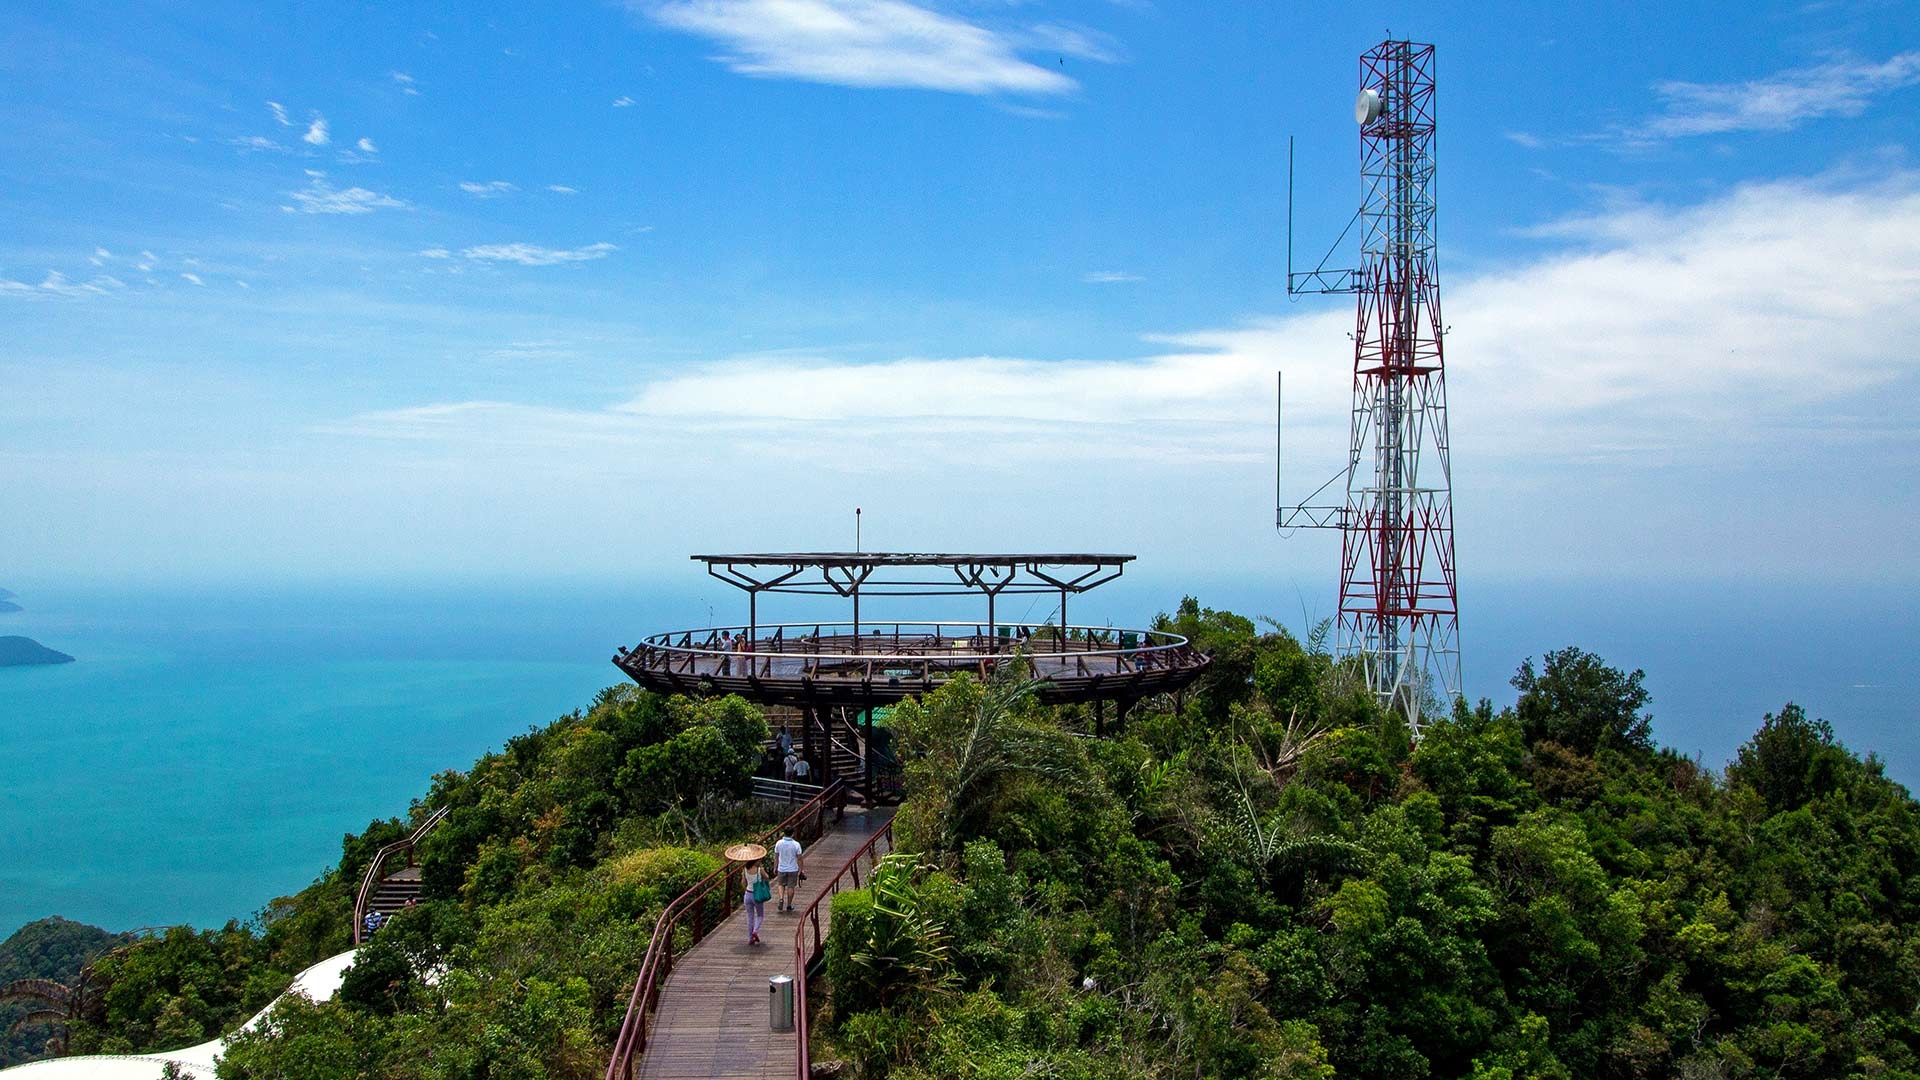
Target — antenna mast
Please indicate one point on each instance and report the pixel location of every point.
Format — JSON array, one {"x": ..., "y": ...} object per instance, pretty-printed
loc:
[{"x": 1399, "y": 607}]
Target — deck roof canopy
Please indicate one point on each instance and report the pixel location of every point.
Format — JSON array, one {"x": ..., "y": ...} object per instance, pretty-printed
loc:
[{"x": 885, "y": 573}]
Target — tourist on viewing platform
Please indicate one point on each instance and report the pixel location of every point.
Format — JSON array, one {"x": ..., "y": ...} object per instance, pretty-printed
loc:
[
  {"x": 726, "y": 651},
  {"x": 375, "y": 921},
  {"x": 802, "y": 771},
  {"x": 790, "y": 766},
  {"x": 783, "y": 742},
  {"x": 789, "y": 856}
]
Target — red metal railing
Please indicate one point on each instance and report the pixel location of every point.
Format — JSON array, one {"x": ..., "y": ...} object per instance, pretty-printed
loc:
[
  {"x": 809, "y": 943},
  {"x": 692, "y": 907},
  {"x": 371, "y": 881}
]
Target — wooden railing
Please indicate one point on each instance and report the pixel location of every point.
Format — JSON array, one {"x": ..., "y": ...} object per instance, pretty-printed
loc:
[
  {"x": 375, "y": 875},
  {"x": 692, "y": 910},
  {"x": 810, "y": 944}
]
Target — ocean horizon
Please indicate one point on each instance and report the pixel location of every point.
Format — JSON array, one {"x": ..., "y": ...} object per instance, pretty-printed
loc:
[{"x": 209, "y": 748}]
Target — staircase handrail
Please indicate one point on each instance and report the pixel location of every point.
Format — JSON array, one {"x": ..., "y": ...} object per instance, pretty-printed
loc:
[
  {"x": 805, "y": 957},
  {"x": 374, "y": 877},
  {"x": 658, "y": 962}
]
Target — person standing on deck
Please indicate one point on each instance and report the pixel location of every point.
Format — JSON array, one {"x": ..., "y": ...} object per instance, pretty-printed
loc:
[{"x": 790, "y": 857}]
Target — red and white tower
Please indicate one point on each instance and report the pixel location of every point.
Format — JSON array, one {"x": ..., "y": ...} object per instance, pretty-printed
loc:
[{"x": 1399, "y": 609}]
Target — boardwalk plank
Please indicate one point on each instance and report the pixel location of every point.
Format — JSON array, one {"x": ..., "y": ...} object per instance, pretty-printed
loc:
[{"x": 712, "y": 1017}]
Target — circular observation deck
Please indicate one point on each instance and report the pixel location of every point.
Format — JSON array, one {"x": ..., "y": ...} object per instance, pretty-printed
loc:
[
  {"x": 825, "y": 664},
  {"x": 859, "y": 662}
]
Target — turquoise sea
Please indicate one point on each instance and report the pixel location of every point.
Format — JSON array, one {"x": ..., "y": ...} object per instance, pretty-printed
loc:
[{"x": 210, "y": 748}]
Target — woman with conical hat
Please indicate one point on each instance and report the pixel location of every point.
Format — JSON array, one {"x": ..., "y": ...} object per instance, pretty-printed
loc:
[{"x": 756, "y": 888}]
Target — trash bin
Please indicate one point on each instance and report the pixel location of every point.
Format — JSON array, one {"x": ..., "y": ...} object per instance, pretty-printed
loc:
[{"x": 780, "y": 1003}]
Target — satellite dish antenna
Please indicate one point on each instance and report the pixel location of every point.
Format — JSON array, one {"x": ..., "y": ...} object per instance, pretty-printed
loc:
[{"x": 1366, "y": 108}]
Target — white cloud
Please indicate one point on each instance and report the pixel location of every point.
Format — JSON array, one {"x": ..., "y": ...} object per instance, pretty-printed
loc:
[
  {"x": 100, "y": 256},
  {"x": 58, "y": 284},
  {"x": 1777, "y": 102},
  {"x": 1078, "y": 42},
  {"x": 258, "y": 142},
  {"x": 192, "y": 279},
  {"x": 1651, "y": 334},
  {"x": 1110, "y": 277},
  {"x": 1029, "y": 112},
  {"x": 406, "y": 83},
  {"x": 319, "y": 197},
  {"x": 317, "y": 132},
  {"x": 147, "y": 259},
  {"x": 562, "y": 189},
  {"x": 533, "y": 255},
  {"x": 623, "y": 102},
  {"x": 437, "y": 253},
  {"x": 487, "y": 189},
  {"x": 862, "y": 43},
  {"x": 366, "y": 146},
  {"x": 279, "y": 113},
  {"x": 1522, "y": 138}
]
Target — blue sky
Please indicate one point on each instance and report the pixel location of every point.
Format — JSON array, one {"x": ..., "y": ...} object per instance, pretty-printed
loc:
[{"x": 570, "y": 290}]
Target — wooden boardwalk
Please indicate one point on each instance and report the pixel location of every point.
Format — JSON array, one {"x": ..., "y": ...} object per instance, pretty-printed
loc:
[{"x": 712, "y": 1017}]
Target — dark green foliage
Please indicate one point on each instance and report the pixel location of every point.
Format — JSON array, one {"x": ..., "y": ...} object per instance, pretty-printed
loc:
[
  {"x": 541, "y": 889},
  {"x": 1264, "y": 880},
  {"x": 54, "y": 950},
  {"x": 1582, "y": 704},
  {"x": 1271, "y": 883},
  {"x": 1791, "y": 760}
]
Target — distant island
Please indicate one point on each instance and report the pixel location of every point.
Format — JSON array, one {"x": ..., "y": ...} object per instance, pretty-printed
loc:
[
  {"x": 6, "y": 601},
  {"x": 22, "y": 652}
]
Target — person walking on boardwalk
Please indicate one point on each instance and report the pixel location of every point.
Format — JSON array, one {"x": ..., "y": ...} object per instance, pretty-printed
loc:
[
  {"x": 756, "y": 889},
  {"x": 789, "y": 857},
  {"x": 759, "y": 890}
]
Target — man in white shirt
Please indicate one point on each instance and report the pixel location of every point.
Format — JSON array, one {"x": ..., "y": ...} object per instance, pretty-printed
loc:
[{"x": 789, "y": 857}]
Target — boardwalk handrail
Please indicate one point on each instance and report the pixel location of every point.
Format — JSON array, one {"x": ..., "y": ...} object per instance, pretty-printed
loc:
[
  {"x": 373, "y": 877},
  {"x": 805, "y": 824},
  {"x": 789, "y": 791},
  {"x": 805, "y": 955}
]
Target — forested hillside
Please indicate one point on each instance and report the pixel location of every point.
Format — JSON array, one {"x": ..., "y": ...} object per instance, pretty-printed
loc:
[
  {"x": 1265, "y": 881},
  {"x": 54, "y": 949},
  {"x": 1270, "y": 883}
]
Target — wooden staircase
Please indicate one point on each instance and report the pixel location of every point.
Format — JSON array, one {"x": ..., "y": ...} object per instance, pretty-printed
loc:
[
  {"x": 837, "y": 750},
  {"x": 395, "y": 890},
  {"x": 389, "y": 892}
]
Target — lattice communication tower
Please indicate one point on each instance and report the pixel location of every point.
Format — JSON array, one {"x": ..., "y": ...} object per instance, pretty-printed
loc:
[{"x": 1399, "y": 608}]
